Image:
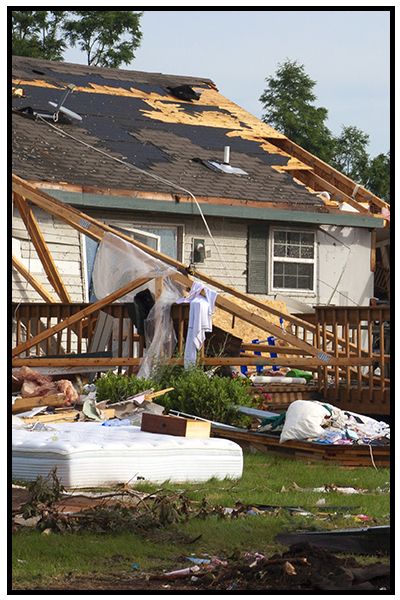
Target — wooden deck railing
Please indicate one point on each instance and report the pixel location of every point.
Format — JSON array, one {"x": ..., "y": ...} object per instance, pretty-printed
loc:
[
  {"x": 366, "y": 332},
  {"x": 356, "y": 340},
  {"x": 32, "y": 318}
]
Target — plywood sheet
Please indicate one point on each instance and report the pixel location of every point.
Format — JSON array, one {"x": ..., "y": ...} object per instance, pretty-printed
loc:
[{"x": 241, "y": 328}]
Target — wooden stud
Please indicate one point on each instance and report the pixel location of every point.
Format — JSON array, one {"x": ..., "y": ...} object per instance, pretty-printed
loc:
[
  {"x": 43, "y": 252},
  {"x": 370, "y": 352},
  {"x": 37, "y": 286},
  {"x": 382, "y": 351},
  {"x": 359, "y": 343},
  {"x": 341, "y": 181},
  {"x": 23, "y": 404}
]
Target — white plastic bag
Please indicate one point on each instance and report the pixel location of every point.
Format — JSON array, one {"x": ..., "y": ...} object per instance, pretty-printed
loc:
[{"x": 304, "y": 420}]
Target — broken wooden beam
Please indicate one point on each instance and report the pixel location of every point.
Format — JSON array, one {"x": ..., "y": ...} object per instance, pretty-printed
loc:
[
  {"x": 43, "y": 252},
  {"x": 31, "y": 279},
  {"x": 23, "y": 404}
]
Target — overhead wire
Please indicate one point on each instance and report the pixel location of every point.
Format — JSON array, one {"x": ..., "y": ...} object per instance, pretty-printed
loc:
[{"x": 148, "y": 174}]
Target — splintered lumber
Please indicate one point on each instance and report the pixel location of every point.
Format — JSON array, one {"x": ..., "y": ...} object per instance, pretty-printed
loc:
[
  {"x": 23, "y": 404},
  {"x": 37, "y": 286},
  {"x": 43, "y": 252},
  {"x": 341, "y": 181},
  {"x": 80, "y": 315},
  {"x": 66, "y": 416},
  {"x": 153, "y": 395}
]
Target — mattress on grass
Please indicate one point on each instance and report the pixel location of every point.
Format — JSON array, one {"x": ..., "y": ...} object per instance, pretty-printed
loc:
[{"x": 91, "y": 455}]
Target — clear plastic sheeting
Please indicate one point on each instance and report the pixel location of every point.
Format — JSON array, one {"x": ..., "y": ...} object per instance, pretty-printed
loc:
[
  {"x": 159, "y": 330},
  {"x": 117, "y": 263}
]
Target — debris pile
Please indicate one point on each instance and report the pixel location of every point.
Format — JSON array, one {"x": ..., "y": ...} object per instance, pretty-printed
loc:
[{"x": 302, "y": 567}]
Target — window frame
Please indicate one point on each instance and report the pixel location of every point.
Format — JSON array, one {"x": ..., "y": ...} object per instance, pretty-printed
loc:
[{"x": 291, "y": 291}]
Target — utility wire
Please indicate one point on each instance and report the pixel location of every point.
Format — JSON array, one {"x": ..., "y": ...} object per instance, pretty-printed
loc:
[{"x": 148, "y": 174}]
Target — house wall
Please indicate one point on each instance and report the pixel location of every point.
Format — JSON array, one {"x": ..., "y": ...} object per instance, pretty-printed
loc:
[
  {"x": 65, "y": 247},
  {"x": 343, "y": 275}
]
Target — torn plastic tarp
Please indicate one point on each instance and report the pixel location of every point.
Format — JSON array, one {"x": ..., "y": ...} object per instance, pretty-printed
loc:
[{"x": 117, "y": 263}]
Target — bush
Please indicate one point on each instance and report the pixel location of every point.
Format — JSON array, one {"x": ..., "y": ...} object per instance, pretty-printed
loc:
[
  {"x": 197, "y": 394},
  {"x": 116, "y": 388}
]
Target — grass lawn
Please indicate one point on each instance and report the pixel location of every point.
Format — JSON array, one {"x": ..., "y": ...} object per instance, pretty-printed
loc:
[{"x": 38, "y": 558}]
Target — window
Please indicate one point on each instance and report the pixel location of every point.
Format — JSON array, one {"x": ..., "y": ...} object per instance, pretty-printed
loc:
[
  {"x": 292, "y": 260},
  {"x": 145, "y": 237}
]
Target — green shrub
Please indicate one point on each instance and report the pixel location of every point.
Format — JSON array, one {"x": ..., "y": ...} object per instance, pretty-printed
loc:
[
  {"x": 116, "y": 388},
  {"x": 198, "y": 394}
]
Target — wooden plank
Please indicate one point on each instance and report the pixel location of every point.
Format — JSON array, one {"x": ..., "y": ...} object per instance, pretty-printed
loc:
[
  {"x": 308, "y": 363},
  {"x": 43, "y": 252},
  {"x": 23, "y": 404},
  {"x": 37, "y": 286},
  {"x": 370, "y": 352},
  {"x": 81, "y": 314},
  {"x": 317, "y": 183},
  {"x": 66, "y": 416},
  {"x": 341, "y": 181},
  {"x": 382, "y": 351},
  {"x": 275, "y": 349},
  {"x": 359, "y": 343}
]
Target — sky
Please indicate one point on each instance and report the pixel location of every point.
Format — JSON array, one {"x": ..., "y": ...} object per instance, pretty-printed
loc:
[{"x": 345, "y": 52}]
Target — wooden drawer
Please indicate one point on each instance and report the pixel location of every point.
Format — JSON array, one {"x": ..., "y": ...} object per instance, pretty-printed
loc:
[{"x": 175, "y": 426}]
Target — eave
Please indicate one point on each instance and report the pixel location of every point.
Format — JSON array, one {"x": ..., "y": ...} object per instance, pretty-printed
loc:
[{"x": 153, "y": 202}]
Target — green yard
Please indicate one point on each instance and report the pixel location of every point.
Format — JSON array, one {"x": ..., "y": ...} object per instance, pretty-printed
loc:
[{"x": 39, "y": 560}]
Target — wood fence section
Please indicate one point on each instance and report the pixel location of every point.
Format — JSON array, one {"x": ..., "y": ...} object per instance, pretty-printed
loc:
[{"x": 357, "y": 387}]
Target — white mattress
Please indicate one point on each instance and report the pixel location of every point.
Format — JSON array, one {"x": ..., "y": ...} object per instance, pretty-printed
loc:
[{"x": 91, "y": 455}]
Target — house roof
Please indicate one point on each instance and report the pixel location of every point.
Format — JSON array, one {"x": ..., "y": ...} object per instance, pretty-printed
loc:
[{"x": 134, "y": 116}]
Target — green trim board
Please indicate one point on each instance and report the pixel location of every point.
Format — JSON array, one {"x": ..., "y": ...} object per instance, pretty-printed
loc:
[{"x": 86, "y": 200}]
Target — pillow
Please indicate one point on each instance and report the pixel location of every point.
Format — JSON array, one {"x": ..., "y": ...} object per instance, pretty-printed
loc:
[{"x": 303, "y": 420}]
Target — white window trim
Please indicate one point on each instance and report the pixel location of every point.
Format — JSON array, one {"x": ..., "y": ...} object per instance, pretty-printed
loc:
[{"x": 290, "y": 291}]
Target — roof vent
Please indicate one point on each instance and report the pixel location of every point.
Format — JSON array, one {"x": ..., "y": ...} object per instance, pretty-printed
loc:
[
  {"x": 227, "y": 152},
  {"x": 223, "y": 167},
  {"x": 184, "y": 92}
]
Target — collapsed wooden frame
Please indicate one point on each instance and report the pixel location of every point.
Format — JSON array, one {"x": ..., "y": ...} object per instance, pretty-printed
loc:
[{"x": 25, "y": 192}]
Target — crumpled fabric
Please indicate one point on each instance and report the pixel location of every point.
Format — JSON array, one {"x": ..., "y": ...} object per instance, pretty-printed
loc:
[{"x": 200, "y": 319}]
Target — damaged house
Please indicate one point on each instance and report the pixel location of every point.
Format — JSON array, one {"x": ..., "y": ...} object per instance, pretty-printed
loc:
[
  {"x": 168, "y": 160},
  {"x": 166, "y": 164}
]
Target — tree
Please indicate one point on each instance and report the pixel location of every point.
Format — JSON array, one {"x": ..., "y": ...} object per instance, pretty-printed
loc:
[
  {"x": 109, "y": 38},
  {"x": 288, "y": 103},
  {"x": 379, "y": 176},
  {"x": 37, "y": 33},
  {"x": 350, "y": 154}
]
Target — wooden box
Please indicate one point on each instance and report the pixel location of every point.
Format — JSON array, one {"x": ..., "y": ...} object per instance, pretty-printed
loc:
[{"x": 175, "y": 426}]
